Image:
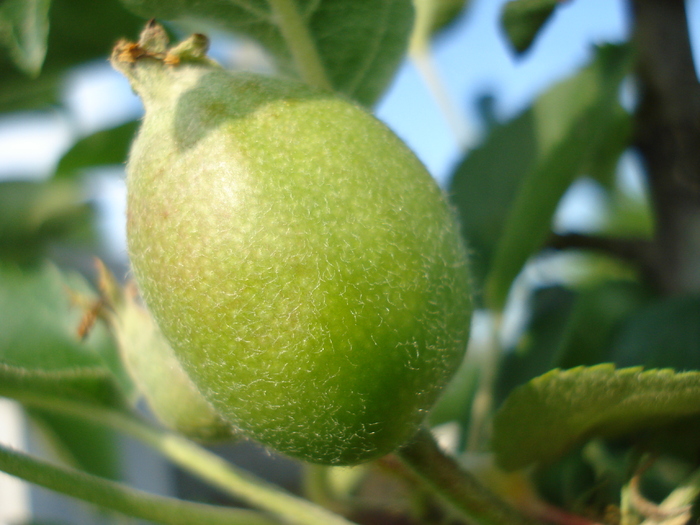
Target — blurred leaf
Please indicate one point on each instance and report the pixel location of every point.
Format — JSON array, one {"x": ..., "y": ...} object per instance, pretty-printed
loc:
[
  {"x": 572, "y": 129},
  {"x": 432, "y": 16},
  {"x": 629, "y": 216},
  {"x": 81, "y": 30},
  {"x": 569, "y": 328},
  {"x": 102, "y": 148},
  {"x": 41, "y": 353},
  {"x": 24, "y": 29},
  {"x": 360, "y": 42},
  {"x": 574, "y": 120},
  {"x": 602, "y": 166},
  {"x": 540, "y": 347},
  {"x": 484, "y": 186},
  {"x": 33, "y": 215},
  {"x": 522, "y": 20},
  {"x": 81, "y": 444},
  {"x": 597, "y": 316},
  {"x": 542, "y": 420},
  {"x": 564, "y": 482},
  {"x": 664, "y": 334}
]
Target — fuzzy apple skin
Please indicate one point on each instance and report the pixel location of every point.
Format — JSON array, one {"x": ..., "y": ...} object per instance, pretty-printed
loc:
[{"x": 299, "y": 258}]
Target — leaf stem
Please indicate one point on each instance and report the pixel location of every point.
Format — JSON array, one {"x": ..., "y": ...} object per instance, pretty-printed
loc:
[
  {"x": 488, "y": 358},
  {"x": 121, "y": 498},
  {"x": 463, "y": 134},
  {"x": 301, "y": 45},
  {"x": 457, "y": 486},
  {"x": 200, "y": 462}
]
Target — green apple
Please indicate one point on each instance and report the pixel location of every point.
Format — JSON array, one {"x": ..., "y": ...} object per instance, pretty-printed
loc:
[{"x": 299, "y": 258}]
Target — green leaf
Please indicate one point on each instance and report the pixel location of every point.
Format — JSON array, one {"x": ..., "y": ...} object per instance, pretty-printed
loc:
[
  {"x": 79, "y": 443},
  {"x": 664, "y": 334},
  {"x": 542, "y": 420},
  {"x": 41, "y": 353},
  {"x": 602, "y": 166},
  {"x": 629, "y": 216},
  {"x": 574, "y": 121},
  {"x": 597, "y": 316},
  {"x": 433, "y": 16},
  {"x": 540, "y": 347},
  {"x": 81, "y": 30},
  {"x": 24, "y": 30},
  {"x": 569, "y": 328},
  {"x": 506, "y": 201},
  {"x": 360, "y": 42},
  {"x": 485, "y": 184},
  {"x": 35, "y": 215},
  {"x": 522, "y": 20},
  {"x": 102, "y": 148}
]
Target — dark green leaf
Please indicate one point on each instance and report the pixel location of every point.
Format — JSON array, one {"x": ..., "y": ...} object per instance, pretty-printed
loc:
[
  {"x": 84, "y": 445},
  {"x": 522, "y": 20},
  {"x": 40, "y": 350},
  {"x": 602, "y": 166},
  {"x": 543, "y": 419},
  {"x": 81, "y": 30},
  {"x": 664, "y": 334},
  {"x": 360, "y": 42},
  {"x": 597, "y": 316},
  {"x": 564, "y": 482},
  {"x": 99, "y": 149},
  {"x": 24, "y": 29},
  {"x": 569, "y": 328},
  {"x": 35, "y": 215},
  {"x": 540, "y": 347},
  {"x": 484, "y": 186},
  {"x": 574, "y": 120}
]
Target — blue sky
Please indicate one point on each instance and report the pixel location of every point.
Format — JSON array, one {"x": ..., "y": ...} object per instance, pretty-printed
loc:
[{"x": 474, "y": 59}]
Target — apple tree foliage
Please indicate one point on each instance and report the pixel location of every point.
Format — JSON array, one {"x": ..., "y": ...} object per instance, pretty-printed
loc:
[{"x": 597, "y": 388}]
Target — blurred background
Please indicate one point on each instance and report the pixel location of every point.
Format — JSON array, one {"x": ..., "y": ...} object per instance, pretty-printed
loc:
[{"x": 52, "y": 156}]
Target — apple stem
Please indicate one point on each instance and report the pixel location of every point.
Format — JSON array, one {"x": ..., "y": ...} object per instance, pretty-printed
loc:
[{"x": 455, "y": 485}]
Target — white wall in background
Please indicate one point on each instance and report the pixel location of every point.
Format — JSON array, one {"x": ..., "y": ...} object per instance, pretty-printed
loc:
[{"x": 14, "y": 494}]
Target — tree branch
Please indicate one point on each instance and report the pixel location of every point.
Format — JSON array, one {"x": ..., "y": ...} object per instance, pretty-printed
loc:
[
  {"x": 457, "y": 486},
  {"x": 667, "y": 136},
  {"x": 638, "y": 252}
]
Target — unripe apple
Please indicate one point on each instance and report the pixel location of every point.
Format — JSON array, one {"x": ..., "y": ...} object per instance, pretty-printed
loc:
[
  {"x": 151, "y": 363},
  {"x": 301, "y": 261}
]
